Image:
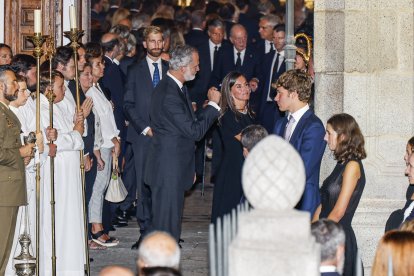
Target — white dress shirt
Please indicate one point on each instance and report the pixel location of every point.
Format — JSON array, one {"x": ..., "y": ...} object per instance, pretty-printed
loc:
[
  {"x": 268, "y": 46},
  {"x": 242, "y": 53},
  {"x": 211, "y": 46},
  {"x": 297, "y": 115}
]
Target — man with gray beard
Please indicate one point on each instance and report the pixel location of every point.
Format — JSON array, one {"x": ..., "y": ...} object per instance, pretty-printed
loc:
[
  {"x": 331, "y": 238},
  {"x": 170, "y": 167}
]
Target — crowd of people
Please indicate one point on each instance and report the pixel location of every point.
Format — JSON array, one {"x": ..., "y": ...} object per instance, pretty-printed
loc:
[{"x": 159, "y": 86}]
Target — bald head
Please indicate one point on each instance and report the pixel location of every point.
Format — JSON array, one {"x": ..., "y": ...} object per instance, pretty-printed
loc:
[
  {"x": 116, "y": 271},
  {"x": 159, "y": 249}
]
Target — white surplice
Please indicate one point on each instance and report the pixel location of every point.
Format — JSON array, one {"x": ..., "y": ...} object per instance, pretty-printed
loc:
[{"x": 70, "y": 238}]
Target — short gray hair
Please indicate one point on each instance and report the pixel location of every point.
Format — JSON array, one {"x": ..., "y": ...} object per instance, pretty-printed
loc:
[
  {"x": 329, "y": 235},
  {"x": 272, "y": 19},
  {"x": 251, "y": 135},
  {"x": 159, "y": 248},
  {"x": 181, "y": 56}
]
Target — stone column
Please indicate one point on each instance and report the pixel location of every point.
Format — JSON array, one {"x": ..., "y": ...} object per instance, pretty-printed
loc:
[{"x": 364, "y": 66}]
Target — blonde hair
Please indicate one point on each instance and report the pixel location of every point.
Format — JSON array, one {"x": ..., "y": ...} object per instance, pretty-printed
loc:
[
  {"x": 396, "y": 248},
  {"x": 119, "y": 15}
]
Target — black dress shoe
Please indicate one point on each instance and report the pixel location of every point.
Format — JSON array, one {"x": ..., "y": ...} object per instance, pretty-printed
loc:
[{"x": 136, "y": 244}]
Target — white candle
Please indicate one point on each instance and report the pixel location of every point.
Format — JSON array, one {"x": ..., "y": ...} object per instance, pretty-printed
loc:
[
  {"x": 37, "y": 21},
  {"x": 72, "y": 17}
]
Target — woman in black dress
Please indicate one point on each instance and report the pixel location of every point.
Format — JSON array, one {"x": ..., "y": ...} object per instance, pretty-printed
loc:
[
  {"x": 235, "y": 116},
  {"x": 342, "y": 190}
]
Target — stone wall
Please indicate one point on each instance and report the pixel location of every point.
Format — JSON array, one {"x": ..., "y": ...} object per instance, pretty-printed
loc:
[{"x": 364, "y": 57}]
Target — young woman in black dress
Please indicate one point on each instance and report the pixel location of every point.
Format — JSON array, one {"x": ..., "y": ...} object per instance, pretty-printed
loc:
[
  {"x": 342, "y": 190},
  {"x": 235, "y": 116}
]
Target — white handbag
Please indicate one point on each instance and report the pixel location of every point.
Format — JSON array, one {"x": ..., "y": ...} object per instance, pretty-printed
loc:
[{"x": 116, "y": 191}]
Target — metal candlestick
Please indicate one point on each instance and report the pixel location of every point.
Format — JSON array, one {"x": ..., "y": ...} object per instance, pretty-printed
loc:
[
  {"x": 38, "y": 39},
  {"x": 74, "y": 35}
]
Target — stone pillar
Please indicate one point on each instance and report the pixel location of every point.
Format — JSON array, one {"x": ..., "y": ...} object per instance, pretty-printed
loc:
[
  {"x": 274, "y": 239},
  {"x": 364, "y": 66}
]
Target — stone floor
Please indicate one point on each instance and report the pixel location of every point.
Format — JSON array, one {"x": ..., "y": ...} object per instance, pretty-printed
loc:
[{"x": 194, "y": 254}]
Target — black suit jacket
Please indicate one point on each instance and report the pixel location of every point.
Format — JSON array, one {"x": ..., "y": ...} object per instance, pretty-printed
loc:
[
  {"x": 170, "y": 160},
  {"x": 195, "y": 37},
  {"x": 330, "y": 274},
  {"x": 137, "y": 98},
  {"x": 226, "y": 64}
]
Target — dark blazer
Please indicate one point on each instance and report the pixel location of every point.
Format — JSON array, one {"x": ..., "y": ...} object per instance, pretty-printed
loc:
[
  {"x": 307, "y": 139},
  {"x": 195, "y": 37},
  {"x": 226, "y": 64},
  {"x": 175, "y": 127},
  {"x": 260, "y": 48},
  {"x": 268, "y": 112},
  {"x": 12, "y": 170},
  {"x": 137, "y": 98}
]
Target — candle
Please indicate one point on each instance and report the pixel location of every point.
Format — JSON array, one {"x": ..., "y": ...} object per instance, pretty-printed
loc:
[
  {"x": 37, "y": 21},
  {"x": 72, "y": 17}
]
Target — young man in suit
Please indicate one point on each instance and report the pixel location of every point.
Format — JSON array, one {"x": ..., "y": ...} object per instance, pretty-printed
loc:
[
  {"x": 12, "y": 167},
  {"x": 170, "y": 168},
  {"x": 303, "y": 129},
  {"x": 142, "y": 79}
]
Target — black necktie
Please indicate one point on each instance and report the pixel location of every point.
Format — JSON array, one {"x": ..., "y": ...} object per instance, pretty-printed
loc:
[
  {"x": 238, "y": 61},
  {"x": 216, "y": 48},
  {"x": 272, "y": 48}
]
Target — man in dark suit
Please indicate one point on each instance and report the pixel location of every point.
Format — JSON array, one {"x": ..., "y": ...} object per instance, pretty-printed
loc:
[
  {"x": 208, "y": 53},
  {"x": 142, "y": 79},
  {"x": 170, "y": 162},
  {"x": 12, "y": 170},
  {"x": 235, "y": 57},
  {"x": 266, "y": 25},
  {"x": 331, "y": 237},
  {"x": 303, "y": 129},
  {"x": 196, "y": 35},
  {"x": 273, "y": 66}
]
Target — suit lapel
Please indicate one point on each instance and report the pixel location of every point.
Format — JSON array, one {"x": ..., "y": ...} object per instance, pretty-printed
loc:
[
  {"x": 299, "y": 126},
  {"x": 185, "y": 98}
]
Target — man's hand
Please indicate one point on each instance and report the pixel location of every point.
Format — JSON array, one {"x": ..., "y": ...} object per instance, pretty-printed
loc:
[
  {"x": 87, "y": 107},
  {"x": 26, "y": 160},
  {"x": 39, "y": 142},
  {"x": 52, "y": 150},
  {"x": 27, "y": 150},
  {"x": 87, "y": 162},
  {"x": 253, "y": 84},
  {"x": 214, "y": 95},
  {"x": 79, "y": 126},
  {"x": 149, "y": 133},
  {"x": 51, "y": 134},
  {"x": 117, "y": 147}
]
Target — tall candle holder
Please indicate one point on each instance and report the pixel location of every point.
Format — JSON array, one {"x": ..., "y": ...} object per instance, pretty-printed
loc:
[
  {"x": 74, "y": 35},
  {"x": 37, "y": 39}
]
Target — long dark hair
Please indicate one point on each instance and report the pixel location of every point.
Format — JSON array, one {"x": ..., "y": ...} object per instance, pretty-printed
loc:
[
  {"x": 227, "y": 101},
  {"x": 350, "y": 144}
]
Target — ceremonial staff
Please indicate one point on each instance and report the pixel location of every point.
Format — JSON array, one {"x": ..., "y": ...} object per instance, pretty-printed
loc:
[
  {"x": 38, "y": 39},
  {"x": 74, "y": 35},
  {"x": 50, "y": 50}
]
